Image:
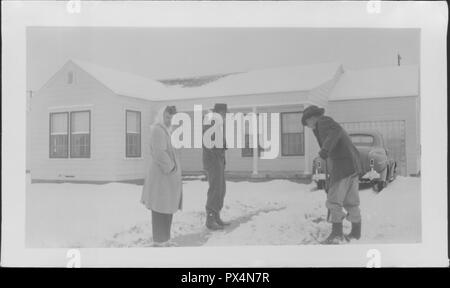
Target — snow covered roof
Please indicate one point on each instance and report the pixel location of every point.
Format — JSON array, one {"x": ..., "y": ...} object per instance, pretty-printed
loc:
[
  {"x": 392, "y": 81},
  {"x": 381, "y": 82},
  {"x": 124, "y": 83},
  {"x": 270, "y": 80}
]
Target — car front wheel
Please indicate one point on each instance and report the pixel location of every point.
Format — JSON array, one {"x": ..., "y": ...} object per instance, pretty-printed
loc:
[
  {"x": 393, "y": 172},
  {"x": 320, "y": 184},
  {"x": 379, "y": 185}
]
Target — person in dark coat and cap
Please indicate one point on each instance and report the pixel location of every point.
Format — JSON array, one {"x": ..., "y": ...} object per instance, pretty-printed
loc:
[
  {"x": 344, "y": 168},
  {"x": 214, "y": 166}
]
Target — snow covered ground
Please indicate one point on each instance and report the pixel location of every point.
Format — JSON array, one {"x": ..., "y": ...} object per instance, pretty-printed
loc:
[{"x": 277, "y": 212}]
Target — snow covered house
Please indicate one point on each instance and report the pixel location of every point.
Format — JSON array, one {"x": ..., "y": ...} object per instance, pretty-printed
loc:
[{"x": 91, "y": 123}]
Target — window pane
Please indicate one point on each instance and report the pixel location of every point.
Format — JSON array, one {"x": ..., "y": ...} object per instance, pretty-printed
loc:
[
  {"x": 58, "y": 146},
  {"x": 291, "y": 123},
  {"x": 79, "y": 122},
  {"x": 247, "y": 151},
  {"x": 133, "y": 134},
  {"x": 250, "y": 122},
  {"x": 133, "y": 122},
  {"x": 362, "y": 140},
  {"x": 59, "y": 123},
  {"x": 292, "y": 144},
  {"x": 133, "y": 145},
  {"x": 80, "y": 146}
]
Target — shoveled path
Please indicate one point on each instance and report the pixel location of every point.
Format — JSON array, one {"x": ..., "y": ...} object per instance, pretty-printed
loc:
[{"x": 200, "y": 238}]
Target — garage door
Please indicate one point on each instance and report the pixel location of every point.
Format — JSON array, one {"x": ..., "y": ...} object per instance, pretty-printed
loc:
[{"x": 394, "y": 138}]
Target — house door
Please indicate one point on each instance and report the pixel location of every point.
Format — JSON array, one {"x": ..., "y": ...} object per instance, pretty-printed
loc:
[{"x": 394, "y": 138}]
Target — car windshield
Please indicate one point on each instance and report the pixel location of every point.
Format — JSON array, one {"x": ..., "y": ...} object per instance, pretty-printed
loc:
[{"x": 362, "y": 139}]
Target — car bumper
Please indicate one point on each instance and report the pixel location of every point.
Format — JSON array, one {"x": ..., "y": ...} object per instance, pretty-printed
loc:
[
  {"x": 368, "y": 177},
  {"x": 371, "y": 175},
  {"x": 318, "y": 177}
]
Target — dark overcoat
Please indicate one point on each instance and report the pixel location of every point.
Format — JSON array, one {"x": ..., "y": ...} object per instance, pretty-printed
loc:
[
  {"x": 343, "y": 157},
  {"x": 216, "y": 155}
]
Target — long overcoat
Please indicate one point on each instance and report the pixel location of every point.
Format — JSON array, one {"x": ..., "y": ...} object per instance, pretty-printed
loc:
[
  {"x": 214, "y": 156},
  {"x": 343, "y": 157},
  {"x": 162, "y": 191}
]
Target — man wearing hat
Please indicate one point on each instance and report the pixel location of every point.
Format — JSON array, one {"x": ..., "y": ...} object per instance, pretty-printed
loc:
[
  {"x": 343, "y": 166},
  {"x": 214, "y": 166}
]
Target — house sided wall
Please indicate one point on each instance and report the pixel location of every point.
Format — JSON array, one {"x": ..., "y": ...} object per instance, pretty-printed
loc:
[{"x": 58, "y": 95}]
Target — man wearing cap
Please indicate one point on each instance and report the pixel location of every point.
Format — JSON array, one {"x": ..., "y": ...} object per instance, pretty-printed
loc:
[
  {"x": 343, "y": 166},
  {"x": 214, "y": 166}
]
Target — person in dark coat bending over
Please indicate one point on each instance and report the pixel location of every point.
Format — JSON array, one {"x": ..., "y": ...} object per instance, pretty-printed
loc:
[
  {"x": 343, "y": 166},
  {"x": 214, "y": 166}
]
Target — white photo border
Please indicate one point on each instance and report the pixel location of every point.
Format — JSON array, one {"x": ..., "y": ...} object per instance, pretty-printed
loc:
[{"x": 430, "y": 17}]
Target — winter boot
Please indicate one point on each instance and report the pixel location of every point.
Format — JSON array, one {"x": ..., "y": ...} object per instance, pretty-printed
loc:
[
  {"x": 355, "y": 233},
  {"x": 336, "y": 236},
  {"x": 211, "y": 223},
  {"x": 220, "y": 221},
  {"x": 160, "y": 244}
]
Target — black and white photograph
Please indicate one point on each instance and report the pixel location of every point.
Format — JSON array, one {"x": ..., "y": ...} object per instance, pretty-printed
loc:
[
  {"x": 96, "y": 120},
  {"x": 213, "y": 137}
]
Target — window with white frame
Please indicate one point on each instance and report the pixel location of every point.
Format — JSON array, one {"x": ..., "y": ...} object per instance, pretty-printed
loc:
[
  {"x": 133, "y": 134},
  {"x": 292, "y": 134},
  {"x": 80, "y": 134},
  {"x": 59, "y": 135}
]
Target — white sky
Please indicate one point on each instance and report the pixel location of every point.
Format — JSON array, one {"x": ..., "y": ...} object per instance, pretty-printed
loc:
[{"x": 176, "y": 52}]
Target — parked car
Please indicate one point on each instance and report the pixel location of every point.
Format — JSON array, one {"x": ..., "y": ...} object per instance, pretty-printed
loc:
[{"x": 379, "y": 168}]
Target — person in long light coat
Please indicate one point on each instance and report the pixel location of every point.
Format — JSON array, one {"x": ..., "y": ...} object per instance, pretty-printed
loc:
[{"x": 162, "y": 190}]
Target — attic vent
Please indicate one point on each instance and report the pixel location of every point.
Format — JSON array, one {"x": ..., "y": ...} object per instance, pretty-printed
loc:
[{"x": 70, "y": 77}]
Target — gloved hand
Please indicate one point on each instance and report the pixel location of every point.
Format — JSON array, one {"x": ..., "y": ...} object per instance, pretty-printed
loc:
[{"x": 323, "y": 154}]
